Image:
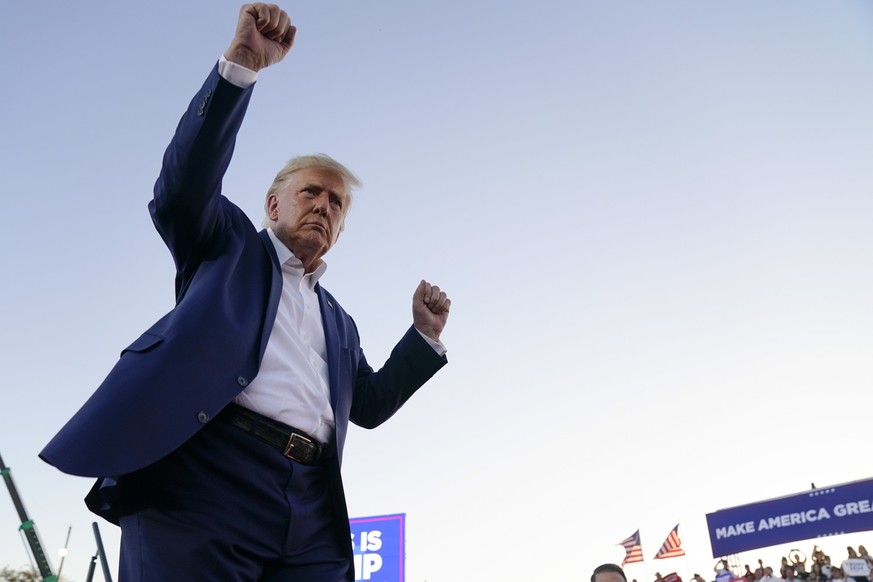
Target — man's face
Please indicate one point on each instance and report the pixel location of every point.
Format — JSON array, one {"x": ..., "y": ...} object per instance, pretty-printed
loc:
[
  {"x": 308, "y": 213},
  {"x": 608, "y": 577}
]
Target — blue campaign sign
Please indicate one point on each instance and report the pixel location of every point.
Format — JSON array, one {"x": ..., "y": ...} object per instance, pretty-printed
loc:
[
  {"x": 820, "y": 512},
  {"x": 378, "y": 544}
]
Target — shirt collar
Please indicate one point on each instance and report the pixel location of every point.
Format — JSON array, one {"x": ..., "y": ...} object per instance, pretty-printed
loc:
[{"x": 286, "y": 257}]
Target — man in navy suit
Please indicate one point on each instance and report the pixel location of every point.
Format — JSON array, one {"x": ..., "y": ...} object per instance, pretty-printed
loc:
[{"x": 217, "y": 438}]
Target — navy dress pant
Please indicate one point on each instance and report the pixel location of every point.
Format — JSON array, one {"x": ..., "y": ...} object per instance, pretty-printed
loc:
[{"x": 226, "y": 506}]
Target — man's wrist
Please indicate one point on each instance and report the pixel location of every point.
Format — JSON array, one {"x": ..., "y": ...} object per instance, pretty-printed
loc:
[
  {"x": 437, "y": 345},
  {"x": 236, "y": 74}
]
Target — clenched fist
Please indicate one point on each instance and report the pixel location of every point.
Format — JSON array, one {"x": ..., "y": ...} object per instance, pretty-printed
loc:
[
  {"x": 430, "y": 309},
  {"x": 264, "y": 35}
]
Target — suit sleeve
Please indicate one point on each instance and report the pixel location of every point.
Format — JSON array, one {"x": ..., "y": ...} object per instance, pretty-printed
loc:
[
  {"x": 378, "y": 395},
  {"x": 187, "y": 204}
]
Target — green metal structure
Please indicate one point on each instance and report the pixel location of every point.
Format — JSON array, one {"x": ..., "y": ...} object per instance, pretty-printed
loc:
[{"x": 28, "y": 528}]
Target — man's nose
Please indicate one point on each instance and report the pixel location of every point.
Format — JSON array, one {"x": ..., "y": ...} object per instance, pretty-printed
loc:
[{"x": 321, "y": 204}]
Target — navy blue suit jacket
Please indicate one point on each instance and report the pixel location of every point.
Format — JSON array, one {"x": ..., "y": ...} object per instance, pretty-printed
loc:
[{"x": 191, "y": 363}]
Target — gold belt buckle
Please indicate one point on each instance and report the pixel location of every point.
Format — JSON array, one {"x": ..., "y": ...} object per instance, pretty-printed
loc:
[{"x": 295, "y": 441}]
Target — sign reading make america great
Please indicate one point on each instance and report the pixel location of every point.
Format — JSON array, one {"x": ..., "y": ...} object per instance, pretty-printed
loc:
[{"x": 817, "y": 513}]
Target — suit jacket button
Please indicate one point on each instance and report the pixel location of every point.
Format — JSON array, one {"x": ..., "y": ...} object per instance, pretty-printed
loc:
[
  {"x": 201, "y": 108},
  {"x": 242, "y": 381},
  {"x": 202, "y": 417}
]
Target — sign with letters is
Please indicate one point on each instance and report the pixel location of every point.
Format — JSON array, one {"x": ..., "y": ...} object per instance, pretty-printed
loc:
[
  {"x": 821, "y": 512},
  {"x": 378, "y": 546}
]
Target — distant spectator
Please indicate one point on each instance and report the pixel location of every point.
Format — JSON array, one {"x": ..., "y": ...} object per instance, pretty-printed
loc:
[
  {"x": 748, "y": 574},
  {"x": 837, "y": 575},
  {"x": 784, "y": 567},
  {"x": 856, "y": 568},
  {"x": 815, "y": 574},
  {"x": 826, "y": 567},
  {"x": 769, "y": 577},
  {"x": 799, "y": 566},
  {"x": 862, "y": 553},
  {"x": 698, "y": 578},
  {"x": 819, "y": 557},
  {"x": 608, "y": 573}
]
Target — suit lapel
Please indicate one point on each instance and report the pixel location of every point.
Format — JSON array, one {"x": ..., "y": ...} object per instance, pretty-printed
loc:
[
  {"x": 332, "y": 340},
  {"x": 275, "y": 292}
]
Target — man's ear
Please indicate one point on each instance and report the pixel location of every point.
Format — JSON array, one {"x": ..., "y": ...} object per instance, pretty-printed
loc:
[{"x": 272, "y": 208}]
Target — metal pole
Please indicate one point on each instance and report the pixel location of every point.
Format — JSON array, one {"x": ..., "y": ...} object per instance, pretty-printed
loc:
[
  {"x": 91, "y": 567},
  {"x": 27, "y": 526},
  {"x": 64, "y": 551},
  {"x": 106, "y": 575}
]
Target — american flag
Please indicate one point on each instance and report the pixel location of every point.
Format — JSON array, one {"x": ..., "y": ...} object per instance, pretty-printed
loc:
[
  {"x": 633, "y": 549},
  {"x": 672, "y": 546}
]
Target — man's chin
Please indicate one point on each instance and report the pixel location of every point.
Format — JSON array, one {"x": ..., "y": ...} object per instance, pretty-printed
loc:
[
  {"x": 313, "y": 231},
  {"x": 313, "y": 244}
]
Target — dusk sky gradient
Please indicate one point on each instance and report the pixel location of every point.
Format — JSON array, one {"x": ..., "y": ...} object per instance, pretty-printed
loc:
[{"x": 653, "y": 219}]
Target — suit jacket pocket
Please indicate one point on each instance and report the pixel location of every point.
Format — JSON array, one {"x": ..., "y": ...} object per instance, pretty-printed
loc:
[{"x": 144, "y": 343}]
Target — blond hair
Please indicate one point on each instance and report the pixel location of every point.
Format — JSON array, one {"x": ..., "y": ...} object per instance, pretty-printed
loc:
[{"x": 313, "y": 162}]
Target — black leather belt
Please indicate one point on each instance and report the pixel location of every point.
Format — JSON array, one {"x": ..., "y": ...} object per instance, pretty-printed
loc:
[{"x": 291, "y": 442}]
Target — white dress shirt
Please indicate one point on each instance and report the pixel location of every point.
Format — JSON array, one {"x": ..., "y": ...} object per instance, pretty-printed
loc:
[{"x": 292, "y": 385}]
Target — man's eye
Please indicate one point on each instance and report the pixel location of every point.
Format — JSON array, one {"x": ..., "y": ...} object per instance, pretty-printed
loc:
[{"x": 337, "y": 203}]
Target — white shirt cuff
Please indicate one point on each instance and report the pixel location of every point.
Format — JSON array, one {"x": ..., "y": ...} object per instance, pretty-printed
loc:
[{"x": 236, "y": 74}]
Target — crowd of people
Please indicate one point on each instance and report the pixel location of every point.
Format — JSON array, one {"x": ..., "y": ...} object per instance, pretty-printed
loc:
[{"x": 855, "y": 567}]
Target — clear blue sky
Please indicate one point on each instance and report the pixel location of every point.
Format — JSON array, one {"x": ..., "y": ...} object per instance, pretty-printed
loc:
[{"x": 653, "y": 218}]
